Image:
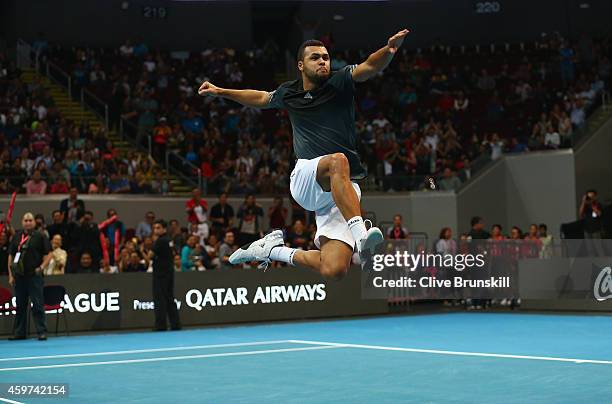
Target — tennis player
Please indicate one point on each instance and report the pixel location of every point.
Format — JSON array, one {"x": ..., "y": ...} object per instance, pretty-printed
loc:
[{"x": 321, "y": 109}]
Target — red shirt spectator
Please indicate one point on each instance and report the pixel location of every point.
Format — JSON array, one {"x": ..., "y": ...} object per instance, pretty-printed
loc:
[
  {"x": 196, "y": 208},
  {"x": 59, "y": 188}
]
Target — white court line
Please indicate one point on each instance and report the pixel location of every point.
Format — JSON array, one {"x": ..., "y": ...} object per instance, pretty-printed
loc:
[
  {"x": 6, "y": 400},
  {"x": 180, "y": 348},
  {"x": 457, "y": 353},
  {"x": 169, "y": 358}
]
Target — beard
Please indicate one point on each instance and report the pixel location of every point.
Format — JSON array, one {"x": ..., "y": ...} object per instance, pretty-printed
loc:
[{"x": 316, "y": 78}]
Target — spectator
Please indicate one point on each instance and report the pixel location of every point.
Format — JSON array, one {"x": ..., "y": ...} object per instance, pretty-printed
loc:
[
  {"x": 36, "y": 185},
  {"x": 552, "y": 140},
  {"x": 177, "y": 263},
  {"x": 59, "y": 187},
  {"x": 590, "y": 212},
  {"x": 298, "y": 237},
  {"x": 191, "y": 258},
  {"x": 161, "y": 133},
  {"x": 59, "y": 257},
  {"x": 136, "y": 264},
  {"x": 41, "y": 226},
  {"x": 145, "y": 228},
  {"x": 478, "y": 232},
  {"x": 118, "y": 184},
  {"x": 226, "y": 249},
  {"x": 249, "y": 214},
  {"x": 197, "y": 208},
  {"x": 496, "y": 232},
  {"x": 397, "y": 231},
  {"x": 87, "y": 239},
  {"x": 278, "y": 214},
  {"x": 450, "y": 181},
  {"x": 211, "y": 246},
  {"x": 59, "y": 226},
  {"x": 176, "y": 235},
  {"x": 114, "y": 232},
  {"x": 72, "y": 207},
  {"x": 4, "y": 253},
  {"x": 546, "y": 240},
  {"x": 221, "y": 215},
  {"x": 86, "y": 264},
  {"x": 516, "y": 233},
  {"x": 445, "y": 244}
]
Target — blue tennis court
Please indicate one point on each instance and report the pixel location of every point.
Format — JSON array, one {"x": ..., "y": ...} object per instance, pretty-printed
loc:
[{"x": 463, "y": 357}]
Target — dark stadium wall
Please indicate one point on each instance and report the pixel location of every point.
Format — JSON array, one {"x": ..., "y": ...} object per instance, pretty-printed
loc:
[
  {"x": 593, "y": 167},
  {"x": 364, "y": 25},
  {"x": 522, "y": 189},
  {"x": 186, "y": 26},
  {"x": 540, "y": 188},
  {"x": 455, "y": 21},
  {"x": 484, "y": 196}
]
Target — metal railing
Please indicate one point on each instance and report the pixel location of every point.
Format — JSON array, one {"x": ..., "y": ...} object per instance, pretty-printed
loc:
[
  {"x": 99, "y": 107},
  {"x": 55, "y": 73},
  {"x": 186, "y": 170}
]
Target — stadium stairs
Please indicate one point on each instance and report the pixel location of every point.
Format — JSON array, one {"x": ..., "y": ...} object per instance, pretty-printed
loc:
[{"x": 77, "y": 112}]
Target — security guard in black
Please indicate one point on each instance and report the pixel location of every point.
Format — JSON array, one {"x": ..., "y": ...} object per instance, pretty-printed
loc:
[
  {"x": 28, "y": 254},
  {"x": 163, "y": 279}
]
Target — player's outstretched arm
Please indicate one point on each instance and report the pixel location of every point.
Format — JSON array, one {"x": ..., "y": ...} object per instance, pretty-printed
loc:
[
  {"x": 249, "y": 98},
  {"x": 380, "y": 59}
]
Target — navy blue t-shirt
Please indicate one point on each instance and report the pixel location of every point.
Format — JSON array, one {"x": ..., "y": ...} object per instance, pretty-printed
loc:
[{"x": 323, "y": 119}]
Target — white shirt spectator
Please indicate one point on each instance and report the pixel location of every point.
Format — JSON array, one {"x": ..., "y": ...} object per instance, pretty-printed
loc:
[
  {"x": 126, "y": 50},
  {"x": 496, "y": 149},
  {"x": 461, "y": 105},
  {"x": 149, "y": 65},
  {"x": 552, "y": 139},
  {"x": 41, "y": 112},
  {"x": 523, "y": 91},
  {"x": 577, "y": 117},
  {"x": 97, "y": 75},
  {"x": 432, "y": 140},
  {"x": 380, "y": 122}
]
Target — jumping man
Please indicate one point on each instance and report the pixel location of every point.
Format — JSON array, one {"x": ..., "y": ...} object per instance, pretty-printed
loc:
[{"x": 322, "y": 113}]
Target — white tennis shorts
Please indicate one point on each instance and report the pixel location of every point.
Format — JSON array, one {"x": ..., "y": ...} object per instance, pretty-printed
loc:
[{"x": 308, "y": 193}]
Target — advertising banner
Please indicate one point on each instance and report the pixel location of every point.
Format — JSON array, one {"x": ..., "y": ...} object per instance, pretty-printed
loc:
[{"x": 123, "y": 301}]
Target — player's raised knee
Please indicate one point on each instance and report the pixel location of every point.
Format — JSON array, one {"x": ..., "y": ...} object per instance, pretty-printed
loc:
[
  {"x": 335, "y": 271},
  {"x": 339, "y": 164}
]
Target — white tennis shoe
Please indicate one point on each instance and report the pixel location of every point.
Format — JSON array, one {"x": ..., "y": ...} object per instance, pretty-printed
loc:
[
  {"x": 367, "y": 245},
  {"x": 258, "y": 250}
]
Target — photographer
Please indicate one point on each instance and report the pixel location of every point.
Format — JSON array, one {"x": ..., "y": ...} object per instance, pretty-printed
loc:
[
  {"x": 590, "y": 213},
  {"x": 29, "y": 253}
]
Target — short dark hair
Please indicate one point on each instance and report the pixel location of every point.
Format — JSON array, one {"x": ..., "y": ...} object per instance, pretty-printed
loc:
[
  {"x": 543, "y": 226},
  {"x": 162, "y": 223},
  {"x": 475, "y": 220},
  {"x": 309, "y": 42},
  {"x": 499, "y": 226}
]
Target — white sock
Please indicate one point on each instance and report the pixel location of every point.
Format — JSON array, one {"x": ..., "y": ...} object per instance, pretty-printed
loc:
[
  {"x": 357, "y": 228},
  {"x": 283, "y": 254}
]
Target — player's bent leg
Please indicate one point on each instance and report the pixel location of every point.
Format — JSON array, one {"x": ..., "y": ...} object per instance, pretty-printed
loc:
[
  {"x": 334, "y": 174},
  {"x": 335, "y": 258}
]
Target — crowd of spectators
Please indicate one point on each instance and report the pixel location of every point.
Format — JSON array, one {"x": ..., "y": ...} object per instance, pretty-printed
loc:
[
  {"x": 432, "y": 112},
  {"x": 207, "y": 235},
  {"x": 42, "y": 152}
]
